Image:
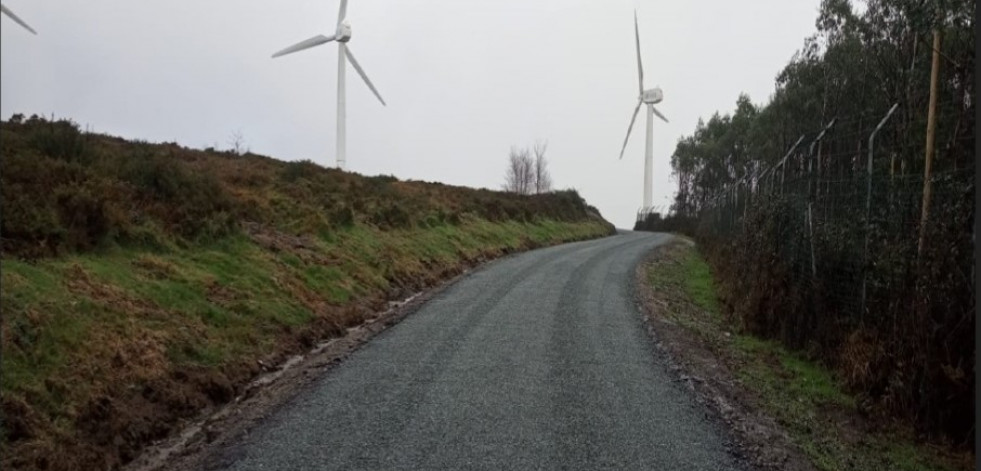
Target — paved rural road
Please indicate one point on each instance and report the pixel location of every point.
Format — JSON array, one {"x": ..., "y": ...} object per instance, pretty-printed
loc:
[{"x": 535, "y": 361}]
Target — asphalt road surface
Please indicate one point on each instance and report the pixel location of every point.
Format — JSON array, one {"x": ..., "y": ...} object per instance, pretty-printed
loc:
[{"x": 535, "y": 361}]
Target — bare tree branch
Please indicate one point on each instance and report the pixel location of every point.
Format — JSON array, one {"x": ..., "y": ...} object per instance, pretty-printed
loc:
[
  {"x": 519, "y": 176},
  {"x": 237, "y": 143},
  {"x": 543, "y": 180},
  {"x": 525, "y": 174}
]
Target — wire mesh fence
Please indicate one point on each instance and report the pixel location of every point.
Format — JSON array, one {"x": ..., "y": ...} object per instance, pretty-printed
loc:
[{"x": 829, "y": 249}]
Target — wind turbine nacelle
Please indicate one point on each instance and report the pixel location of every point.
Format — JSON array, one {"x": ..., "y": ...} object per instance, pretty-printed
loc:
[
  {"x": 344, "y": 31},
  {"x": 652, "y": 96}
]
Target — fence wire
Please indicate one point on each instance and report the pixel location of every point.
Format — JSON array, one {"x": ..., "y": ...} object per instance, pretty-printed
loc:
[
  {"x": 828, "y": 248},
  {"x": 849, "y": 228}
]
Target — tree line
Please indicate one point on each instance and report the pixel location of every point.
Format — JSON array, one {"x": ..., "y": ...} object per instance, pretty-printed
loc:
[
  {"x": 827, "y": 239},
  {"x": 855, "y": 67}
]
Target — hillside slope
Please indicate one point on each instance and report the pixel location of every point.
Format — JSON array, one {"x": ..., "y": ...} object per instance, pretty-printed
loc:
[{"x": 144, "y": 282}]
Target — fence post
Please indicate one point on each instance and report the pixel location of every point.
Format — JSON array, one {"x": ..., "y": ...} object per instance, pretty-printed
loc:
[
  {"x": 783, "y": 161},
  {"x": 762, "y": 183},
  {"x": 749, "y": 197},
  {"x": 810, "y": 151},
  {"x": 810, "y": 230},
  {"x": 868, "y": 206},
  {"x": 930, "y": 139}
]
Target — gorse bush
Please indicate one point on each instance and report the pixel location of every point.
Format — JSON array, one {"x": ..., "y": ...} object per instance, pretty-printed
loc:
[
  {"x": 68, "y": 191},
  {"x": 60, "y": 139},
  {"x": 391, "y": 216},
  {"x": 292, "y": 171},
  {"x": 50, "y": 205},
  {"x": 190, "y": 204},
  {"x": 87, "y": 213}
]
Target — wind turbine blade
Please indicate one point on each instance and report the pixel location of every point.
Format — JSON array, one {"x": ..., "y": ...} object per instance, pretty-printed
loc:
[
  {"x": 314, "y": 41},
  {"x": 659, "y": 115},
  {"x": 342, "y": 13},
  {"x": 640, "y": 67},
  {"x": 6, "y": 11},
  {"x": 357, "y": 67},
  {"x": 631, "y": 127}
]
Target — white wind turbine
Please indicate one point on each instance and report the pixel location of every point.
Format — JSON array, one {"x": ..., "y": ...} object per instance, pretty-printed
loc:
[
  {"x": 6, "y": 11},
  {"x": 650, "y": 97},
  {"x": 342, "y": 35}
]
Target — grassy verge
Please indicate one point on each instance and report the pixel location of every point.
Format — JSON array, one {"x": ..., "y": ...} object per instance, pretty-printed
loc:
[
  {"x": 802, "y": 396},
  {"x": 107, "y": 350},
  {"x": 143, "y": 283}
]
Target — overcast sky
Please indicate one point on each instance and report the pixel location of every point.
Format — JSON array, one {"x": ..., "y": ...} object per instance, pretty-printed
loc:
[{"x": 464, "y": 80}]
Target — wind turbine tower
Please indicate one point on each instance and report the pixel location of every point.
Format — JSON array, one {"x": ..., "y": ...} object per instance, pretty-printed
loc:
[
  {"x": 342, "y": 35},
  {"x": 649, "y": 97}
]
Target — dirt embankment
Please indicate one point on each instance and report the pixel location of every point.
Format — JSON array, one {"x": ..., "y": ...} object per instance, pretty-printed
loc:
[{"x": 146, "y": 283}]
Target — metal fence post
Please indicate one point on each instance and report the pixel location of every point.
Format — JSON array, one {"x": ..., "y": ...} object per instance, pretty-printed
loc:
[
  {"x": 810, "y": 151},
  {"x": 810, "y": 230},
  {"x": 868, "y": 207},
  {"x": 783, "y": 168}
]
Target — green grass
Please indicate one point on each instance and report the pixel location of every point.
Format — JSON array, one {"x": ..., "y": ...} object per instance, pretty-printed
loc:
[
  {"x": 82, "y": 319},
  {"x": 40, "y": 315},
  {"x": 690, "y": 275},
  {"x": 166, "y": 268},
  {"x": 803, "y": 396},
  {"x": 699, "y": 283}
]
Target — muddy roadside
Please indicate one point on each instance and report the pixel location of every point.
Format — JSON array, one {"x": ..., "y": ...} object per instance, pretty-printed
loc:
[{"x": 758, "y": 438}]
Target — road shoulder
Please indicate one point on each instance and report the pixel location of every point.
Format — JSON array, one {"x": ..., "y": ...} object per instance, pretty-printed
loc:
[
  {"x": 681, "y": 331},
  {"x": 784, "y": 412}
]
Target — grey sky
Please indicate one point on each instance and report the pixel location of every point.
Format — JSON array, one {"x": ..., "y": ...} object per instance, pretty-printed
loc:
[{"x": 464, "y": 80}]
